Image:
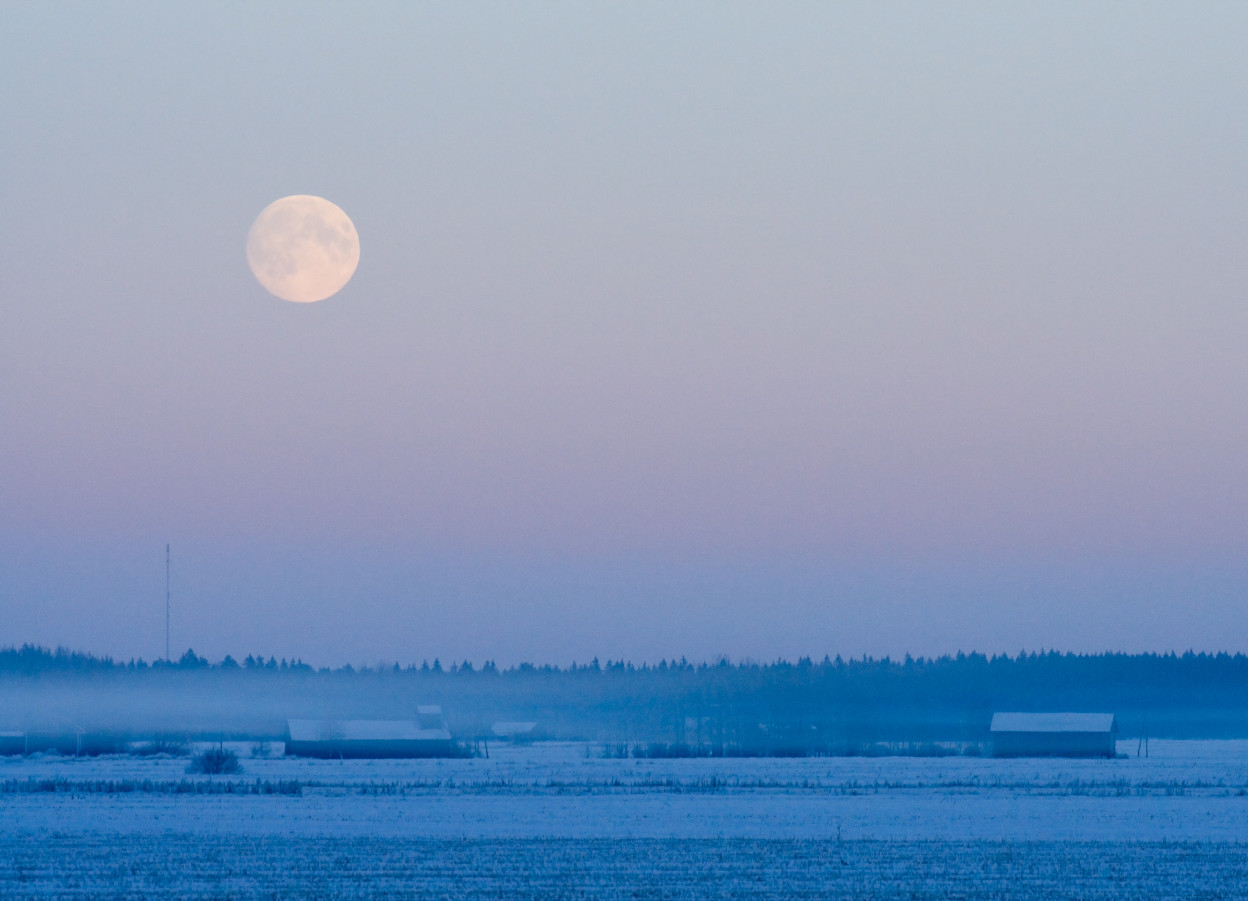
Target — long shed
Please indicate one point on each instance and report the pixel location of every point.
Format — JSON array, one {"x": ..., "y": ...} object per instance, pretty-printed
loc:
[
  {"x": 369, "y": 738},
  {"x": 1054, "y": 735}
]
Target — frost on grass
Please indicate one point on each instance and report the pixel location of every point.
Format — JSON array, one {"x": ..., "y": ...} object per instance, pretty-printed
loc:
[{"x": 61, "y": 866}]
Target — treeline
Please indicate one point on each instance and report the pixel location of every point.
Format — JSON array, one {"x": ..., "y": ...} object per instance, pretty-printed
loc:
[{"x": 33, "y": 660}]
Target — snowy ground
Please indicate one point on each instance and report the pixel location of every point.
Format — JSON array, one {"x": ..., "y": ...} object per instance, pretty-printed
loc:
[
  {"x": 218, "y": 867},
  {"x": 560, "y": 816},
  {"x": 1184, "y": 791}
]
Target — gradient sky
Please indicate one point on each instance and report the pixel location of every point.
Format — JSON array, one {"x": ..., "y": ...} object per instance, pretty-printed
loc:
[{"x": 759, "y": 330}]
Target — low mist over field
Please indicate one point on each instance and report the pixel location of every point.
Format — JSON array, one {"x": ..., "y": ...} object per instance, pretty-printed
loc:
[{"x": 825, "y": 705}]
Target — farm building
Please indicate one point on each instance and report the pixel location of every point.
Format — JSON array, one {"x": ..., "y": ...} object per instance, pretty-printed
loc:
[
  {"x": 1054, "y": 735},
  {"x": 515, "y": 732},
  {"x": 77, "y": 743},
  {"x": 427, "y": 736}
]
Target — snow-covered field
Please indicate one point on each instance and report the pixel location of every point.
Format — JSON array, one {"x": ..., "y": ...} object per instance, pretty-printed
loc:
[
  {"x": 223, "y": 866},
  {"x": 543, "y": 820}
]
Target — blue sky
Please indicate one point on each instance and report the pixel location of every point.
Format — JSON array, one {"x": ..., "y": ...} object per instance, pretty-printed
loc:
[{"x": 678, "y": 329}]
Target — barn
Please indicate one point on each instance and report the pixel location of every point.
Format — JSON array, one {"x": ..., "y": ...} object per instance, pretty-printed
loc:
[
  {"x": 1054, "y": 735},
  {"x": 515, "y": 732},
  {"x": 75, "y": 743},
  {"x": 427, "y": 736}
]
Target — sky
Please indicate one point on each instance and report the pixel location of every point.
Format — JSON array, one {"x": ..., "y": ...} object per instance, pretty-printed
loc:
[{"x": 679, "y": 329}]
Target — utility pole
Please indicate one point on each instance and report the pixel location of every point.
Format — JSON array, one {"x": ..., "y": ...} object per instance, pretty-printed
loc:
[{"x": 167, "y": 603}]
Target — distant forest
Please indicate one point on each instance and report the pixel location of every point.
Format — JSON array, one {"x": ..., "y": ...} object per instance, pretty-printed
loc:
[{"x": 911, "y": 699}]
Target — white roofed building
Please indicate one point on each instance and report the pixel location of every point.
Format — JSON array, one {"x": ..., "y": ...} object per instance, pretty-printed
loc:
[
  {"x": 513, "y": 731},
  {"x": 1054, "y": 735},
  {"x": 425, "y": 737}
]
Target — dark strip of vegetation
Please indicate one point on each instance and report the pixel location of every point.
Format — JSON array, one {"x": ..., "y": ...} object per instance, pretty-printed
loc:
[
  {"x": 1222, "y": 668},
  {"x": 691, "y": 785},
  {"x": 149, "y": 787}
]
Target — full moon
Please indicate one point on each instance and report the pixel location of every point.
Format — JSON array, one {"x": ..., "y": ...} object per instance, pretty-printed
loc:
[{"x": 303, "y": 248}]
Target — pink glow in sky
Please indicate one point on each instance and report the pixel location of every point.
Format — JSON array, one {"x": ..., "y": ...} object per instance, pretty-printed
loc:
[{"x": 679, "y": 329}]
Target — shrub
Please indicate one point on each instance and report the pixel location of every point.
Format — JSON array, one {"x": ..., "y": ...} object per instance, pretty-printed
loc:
[{"x": 215, "y": 762}]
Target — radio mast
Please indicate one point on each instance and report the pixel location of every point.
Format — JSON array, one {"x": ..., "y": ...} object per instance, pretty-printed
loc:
[{"x": 167, "y": 603}]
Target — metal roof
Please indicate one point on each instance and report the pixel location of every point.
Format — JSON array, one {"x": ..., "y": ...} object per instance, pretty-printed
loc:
[
  {"x": 1052, "y": 722},
  {"x": 363, "y": 730}
]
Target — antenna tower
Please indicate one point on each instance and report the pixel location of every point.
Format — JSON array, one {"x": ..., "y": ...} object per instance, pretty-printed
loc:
[{"x": 166, "y": 602}]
